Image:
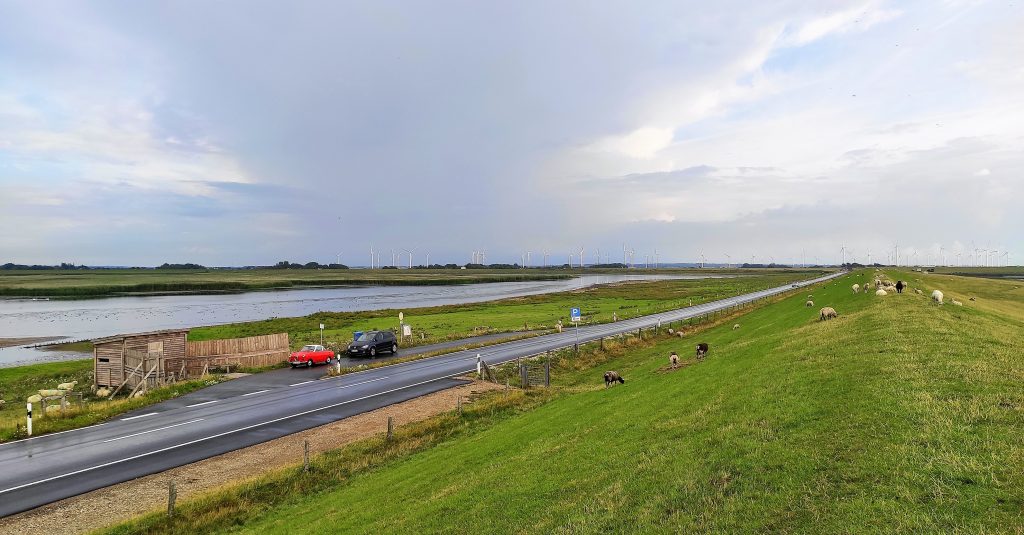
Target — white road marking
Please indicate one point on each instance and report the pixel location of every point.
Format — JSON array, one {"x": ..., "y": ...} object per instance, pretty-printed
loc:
[
  {"x": 254, "y": 393},
  {"x": 364, "y": 382},
  {"x": 51, "y": 434},
  {"x": 154, "y": 430},
  {"x": 304, "y": 382},
  {"x": 203, "y": 403},
  {"x": 139, "y": 416}
]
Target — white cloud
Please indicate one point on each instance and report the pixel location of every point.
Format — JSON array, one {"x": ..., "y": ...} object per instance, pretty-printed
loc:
[
  {"x": 641, "y": 143},
  {"x": 982, "y": 172},
  {"x": 857, "y": 18}
]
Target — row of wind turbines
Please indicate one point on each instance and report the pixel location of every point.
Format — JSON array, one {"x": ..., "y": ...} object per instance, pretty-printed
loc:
[{"x": 960, "y": 257}]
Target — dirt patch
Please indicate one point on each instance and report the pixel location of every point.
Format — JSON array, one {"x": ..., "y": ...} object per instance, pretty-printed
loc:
[{"x": 114, "y": 504}]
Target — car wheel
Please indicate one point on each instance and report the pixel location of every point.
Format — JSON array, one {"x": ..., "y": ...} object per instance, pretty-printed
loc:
[
  {"x": 328, "y": 360},
  {"x": 394, "y": 348},
  {"x": 309, "y": 363},
  {"x": 373, "y": 352}
]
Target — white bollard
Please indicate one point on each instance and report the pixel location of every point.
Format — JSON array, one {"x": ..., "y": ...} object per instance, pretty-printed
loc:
[
  {"x": 29, "y": 419},
  {"x": 479, "y": 367}
]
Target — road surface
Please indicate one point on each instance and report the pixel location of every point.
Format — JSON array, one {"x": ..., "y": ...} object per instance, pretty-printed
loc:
[{"x": 48, "y": 468}]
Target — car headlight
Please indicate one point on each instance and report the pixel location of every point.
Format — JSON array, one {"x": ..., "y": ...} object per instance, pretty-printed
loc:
[{"x": 366, "y": 346}]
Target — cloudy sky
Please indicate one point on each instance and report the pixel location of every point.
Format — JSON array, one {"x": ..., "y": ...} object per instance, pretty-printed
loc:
[{"x": 242, "y": 132}]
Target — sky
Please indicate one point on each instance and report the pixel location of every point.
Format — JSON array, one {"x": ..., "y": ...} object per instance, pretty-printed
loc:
[{"x": 248, "y": 132}]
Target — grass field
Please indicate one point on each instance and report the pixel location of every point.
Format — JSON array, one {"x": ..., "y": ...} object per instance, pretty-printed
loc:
[
  {"x": 599, "y": 303},
  {"x": 899, "y": 416},
  {"x": 108, "y": 282}
]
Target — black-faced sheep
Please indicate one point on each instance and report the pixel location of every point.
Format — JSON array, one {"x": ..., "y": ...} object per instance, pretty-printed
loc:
[
  {"x": 673, "y": 359},
  {"x": 702, "y": 350},
  {"x": 736, "y": 326},
  {"x": 611, "y": 377},
  {"x": 809, "y": 303},
  {"x": 827, "y": 313}
]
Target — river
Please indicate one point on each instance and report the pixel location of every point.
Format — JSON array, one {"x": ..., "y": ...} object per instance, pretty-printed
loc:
[{"x": 94, "y": 318}]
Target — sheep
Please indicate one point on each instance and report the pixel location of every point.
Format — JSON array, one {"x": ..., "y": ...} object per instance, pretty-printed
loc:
[
  {"x": 956, "y": 303},
  {"x": 680, "y": 334},
  {"x": 103, "y": 393},
  {"x": 36, "y": 398},
  {"x": 827, "y": 313},
  {"x": 736, "y": 326},
  {"x": 900, "y": 286},
  {"x": 51, "y": 393},
  {"x": 856, "y": 288},
  {"x": 918, "y": 291},
  {"x": 880, "y": 292},
  {"x": 937, "y": 296},
  {"x": 973, "y": 299},
  {"x": 610, "y": 377},
  {"x": 702, "y": 350},
  {"x": 810, "y": 296},
  {"x": 67, "y": 386},
  {"x": 809, "y": 303}
]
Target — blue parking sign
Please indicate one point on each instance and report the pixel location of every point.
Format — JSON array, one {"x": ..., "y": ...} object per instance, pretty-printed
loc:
[{"x": 574, "y": 313}]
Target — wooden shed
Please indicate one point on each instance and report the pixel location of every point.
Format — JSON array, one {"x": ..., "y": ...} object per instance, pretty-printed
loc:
[{"x": 137, "y": 359}]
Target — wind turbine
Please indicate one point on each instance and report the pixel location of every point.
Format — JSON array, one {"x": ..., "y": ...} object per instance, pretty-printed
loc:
[
  {"x": 339, "y": 257},
  {"x": 728, "y": 262},
  {"x": 410, "y": 256},
  {"x": 655, "y": 259},
  {"x": 371, "y": 256},
  {"x": 583, "y": 258},
  {"x": 843, "y": 251},
  {"x": 428, "y": 258},
  {"x": 545, "y": 258}
]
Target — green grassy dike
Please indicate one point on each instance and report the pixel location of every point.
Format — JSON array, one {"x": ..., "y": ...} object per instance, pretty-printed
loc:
[{"x": 899, "y": 416}]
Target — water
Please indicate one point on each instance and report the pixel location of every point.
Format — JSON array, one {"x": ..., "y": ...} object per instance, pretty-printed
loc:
[{"x": 94, "y": 318}]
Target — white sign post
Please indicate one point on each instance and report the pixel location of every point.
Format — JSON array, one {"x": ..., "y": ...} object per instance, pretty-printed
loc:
[
  {"x": 29, "y": 419},
  {"x": 574, "y": 315},
  {"x": 401, "y": 323},
  {"x": 321, "y": 334}
]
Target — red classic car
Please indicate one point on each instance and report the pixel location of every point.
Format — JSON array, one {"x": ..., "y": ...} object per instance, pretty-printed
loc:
[{"x": 310, "y": 355}]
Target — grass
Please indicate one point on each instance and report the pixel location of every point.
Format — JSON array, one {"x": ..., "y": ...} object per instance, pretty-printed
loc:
[
  {"x": 899, "y": 416},
  {"x": 18, "y": 383},
  {"x": 436, "y": 324}
]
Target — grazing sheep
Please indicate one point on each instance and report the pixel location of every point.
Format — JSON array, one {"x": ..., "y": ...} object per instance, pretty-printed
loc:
[
  {"x": 809, "y": 303},
  {"x": 918, "y": 291},
  {"x": 680, "y": 334},
  {"x": 827, "y": 313},
  {"x": 103, "y": 393},
  {"x": 956, "y": 303},
  {"x": 611, "y": 377},
  {"x": 937, "y": 296},
  {"x": 856, "y": 288},
  {"x": 736, "y": 326},
  {"x": 702, "y": 350},
  {"x": 973, "y": 299},
  {"x": 673, "y": 359},
  {"x": 880, "y": 292}
]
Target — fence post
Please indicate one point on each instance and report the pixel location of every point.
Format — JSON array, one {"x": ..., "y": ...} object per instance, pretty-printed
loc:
[
  {"x": 523, "y": 375},
  {"x": 172, "y": 496},
  {"x": 639, "y": 334},
  {"x": 305, "y": 460},
  {"x": 391, "y": 427},
  {"x": 458, "y": 404}
]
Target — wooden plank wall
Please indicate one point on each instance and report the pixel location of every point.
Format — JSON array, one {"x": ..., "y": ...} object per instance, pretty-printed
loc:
[{"x": 239, "y": 346}]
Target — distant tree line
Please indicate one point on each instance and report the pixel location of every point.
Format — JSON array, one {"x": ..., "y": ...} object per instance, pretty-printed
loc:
[
  {"x": 180, "y": 266},
  {"x": 284, "y": 264},
  {"x": 63, "y": 265}
]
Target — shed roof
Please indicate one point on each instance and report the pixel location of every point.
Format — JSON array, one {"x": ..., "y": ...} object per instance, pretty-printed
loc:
[{"x": 137, "y": 335}]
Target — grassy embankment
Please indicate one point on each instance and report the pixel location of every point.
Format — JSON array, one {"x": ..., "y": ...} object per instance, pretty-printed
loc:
[
  {"x": 899, "y": 416},
  {"x": 18, "y": 383},
  {"x": 110, "y": 282},
  {"x": 438, "y": 323}
]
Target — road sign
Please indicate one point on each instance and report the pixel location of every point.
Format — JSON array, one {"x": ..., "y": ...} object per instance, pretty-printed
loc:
[
  {"x": 574, "y": 313},
  {"x": 401, "y": 317},
  {"x": 321, "y": 326}
]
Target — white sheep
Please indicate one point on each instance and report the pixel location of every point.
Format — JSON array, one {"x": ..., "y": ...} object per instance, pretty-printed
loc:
[
  {"x": 827, "y": 313},
  {"x": 736, "y": 326},
  {"x": 809, "y": 303},
  {"x": 937, "y": 296},
  {"x": 956, "y": 303},
  {"x": 856, "y": 288},
  {"x": 880, "y": 292},
  {"x": 919, "y": 292}
]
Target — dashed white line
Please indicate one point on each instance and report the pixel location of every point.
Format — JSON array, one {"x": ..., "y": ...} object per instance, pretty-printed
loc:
[
  {"x": 254, "y": 393},
  {"x": 139, "y": 416},
  {"x": 154, "y": 430},
  {"x": 303, "y": 382},
  {"x": 203, "y": 403}
]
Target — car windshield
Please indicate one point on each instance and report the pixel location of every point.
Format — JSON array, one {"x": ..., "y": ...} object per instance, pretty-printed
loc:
[
  {"x": 308, "y": 348},
  {"x": 366, "y": 337}
]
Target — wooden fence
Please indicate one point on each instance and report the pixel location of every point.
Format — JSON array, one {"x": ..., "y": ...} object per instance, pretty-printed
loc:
[{"x": 251, "y": 352}]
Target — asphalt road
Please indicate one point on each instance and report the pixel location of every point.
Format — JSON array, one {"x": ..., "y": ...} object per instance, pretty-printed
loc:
[{"x": 51, "y": 467}]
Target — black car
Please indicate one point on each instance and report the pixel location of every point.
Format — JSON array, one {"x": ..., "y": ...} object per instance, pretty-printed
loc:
[{"x": 370, "y": 343}]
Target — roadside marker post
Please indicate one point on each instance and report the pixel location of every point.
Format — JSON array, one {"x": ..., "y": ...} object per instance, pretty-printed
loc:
[
  {"x": 29, "y": 419},
  {"x": 479, "y": 367},
  {"x": 321, "y": 334}
]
